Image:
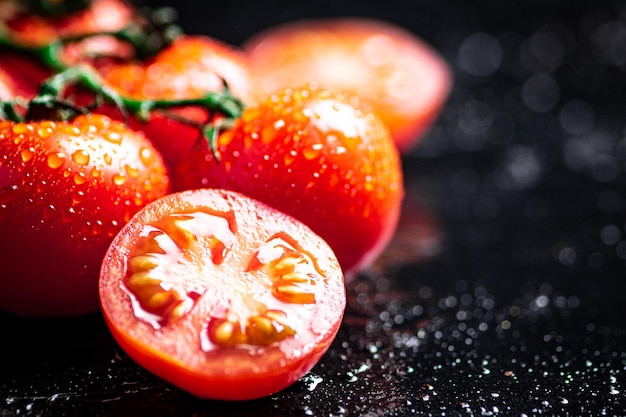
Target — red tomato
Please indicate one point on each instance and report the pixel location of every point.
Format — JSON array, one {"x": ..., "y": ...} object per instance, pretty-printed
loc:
[
  {"x": 316, "y": 155},
  {"x": 22, "y": 73},
  {"x": 403, "y": 78},
  {"x": 27, "y": 28},
  {"x": 189, "y": 68},
  {"x": 221, "y": 295},
  {"x": 66, "y": 188},
  {"x": 7, "y": 86}
]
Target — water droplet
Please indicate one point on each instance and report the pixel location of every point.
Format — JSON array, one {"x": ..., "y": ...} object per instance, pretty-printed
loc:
[
  {"x": 27, "y": 154},
  {"x": 71, "y": 130},
  {"x": 290, "y": 157},
  {"x": 132, "y": 172},
  {"x": 81, "y": 157},
  {"x": 50, "y": 212},
  {"x": 113, "y": 137},
  {"x": 312, "y": 151},
  {"x": 56, "y": 160},
  {"x": 107, "y": 158},
  {"x": 45, "y": 131},
  {"x": 79, "y": 178},
  {"x": 21, "y": 128},
  {"x": 147, "y": 156},
  {"x": 78, "y": 197},
  {"x": 119, "y": 179}
]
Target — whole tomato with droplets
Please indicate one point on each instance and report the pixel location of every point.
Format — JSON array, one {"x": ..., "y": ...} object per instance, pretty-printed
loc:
[
  {"x": 318, "y": 155},
  {"x": 221, "y": 295},
  {"x": 66, "y": 189},
  {"x": 404, "y": 79}
]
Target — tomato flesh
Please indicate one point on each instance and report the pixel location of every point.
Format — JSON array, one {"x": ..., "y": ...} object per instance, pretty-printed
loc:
[{"x": 221, "y": 295}]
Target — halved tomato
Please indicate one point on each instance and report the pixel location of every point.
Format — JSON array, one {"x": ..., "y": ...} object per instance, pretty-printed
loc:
[{"x": 221, "y": 295}]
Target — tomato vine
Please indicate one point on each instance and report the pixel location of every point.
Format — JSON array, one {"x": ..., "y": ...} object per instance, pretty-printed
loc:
[{"x": 146, "y": 36}]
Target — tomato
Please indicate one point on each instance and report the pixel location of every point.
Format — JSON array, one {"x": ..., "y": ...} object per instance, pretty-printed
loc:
[
  {"x": 25, "y": 27},
  {"x": 318, "y": 156},
  {"x": 22, "y": 73},
  {"x": 221, "y": 295},
  {"x": 7, "y": 86},
  {"x": 404, "y": 79},
  {"x": 190, "y": 68},
  {"x": 66, "y": 188}
]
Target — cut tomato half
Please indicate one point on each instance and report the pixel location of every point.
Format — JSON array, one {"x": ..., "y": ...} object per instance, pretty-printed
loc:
[{"x": 221, "y": 295}]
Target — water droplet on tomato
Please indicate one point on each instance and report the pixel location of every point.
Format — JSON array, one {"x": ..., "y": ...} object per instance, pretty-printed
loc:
[
  {"x": 312, "y": 151},
  {"x": 71, "y": 130},
  {"x": 147, "y": 156},
  {"x": 44, "y": 131},
  {"x": 107, "y": 158},
  {"x": 49, "y": 212},
  {"x": 81, "y": 157},
  {"x": 79, "y": 178},
  {"x": 21, "y": 128},
  {"x": 132, "y": 172},
  {"x": 27, "y": 154},
  {"x": 78, "y": 197},
  {"x": 68, "y": 216},
  {"x": 56, "y": 160},
  {"x": 290, "y": 157},
  {"x": 119, "y": 179},
  {"x": 113, "y": 137}
]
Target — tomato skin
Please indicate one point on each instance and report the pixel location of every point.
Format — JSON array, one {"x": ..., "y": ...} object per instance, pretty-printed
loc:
[
  {"x": 23, "y": 74},
  {"x": 404, "y": 79},
  {"x": 191, "y": 67},
  {"x": 179, "y": 350},
  {"x": 318, "y": 156},
  {"x": 66, "y": 188},
  {"x": 7, "y": 86}
]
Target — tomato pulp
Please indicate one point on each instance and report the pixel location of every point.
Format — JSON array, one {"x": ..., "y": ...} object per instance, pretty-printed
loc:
[{"x": 221, "y": 295}]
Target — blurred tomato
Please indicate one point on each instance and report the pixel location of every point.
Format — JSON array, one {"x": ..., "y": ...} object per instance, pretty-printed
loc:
[
  {"x": 405, "y": 81},
  {"x": 26, "y": 27}
]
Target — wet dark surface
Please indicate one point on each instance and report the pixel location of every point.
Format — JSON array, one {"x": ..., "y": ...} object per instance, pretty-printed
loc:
[{"x": 502, "y": 293}]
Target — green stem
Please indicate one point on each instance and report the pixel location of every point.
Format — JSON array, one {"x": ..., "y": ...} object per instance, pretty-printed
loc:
[
  {"x": 142, "y": 39},
  {"x": 52, "y": 89}
]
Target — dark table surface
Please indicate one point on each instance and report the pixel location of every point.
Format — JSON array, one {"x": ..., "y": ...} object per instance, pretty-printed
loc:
[{"x": 502, "y": 293}]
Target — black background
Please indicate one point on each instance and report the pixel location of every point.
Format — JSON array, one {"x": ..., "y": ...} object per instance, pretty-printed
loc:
[{"x": 502, "y": 293}]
